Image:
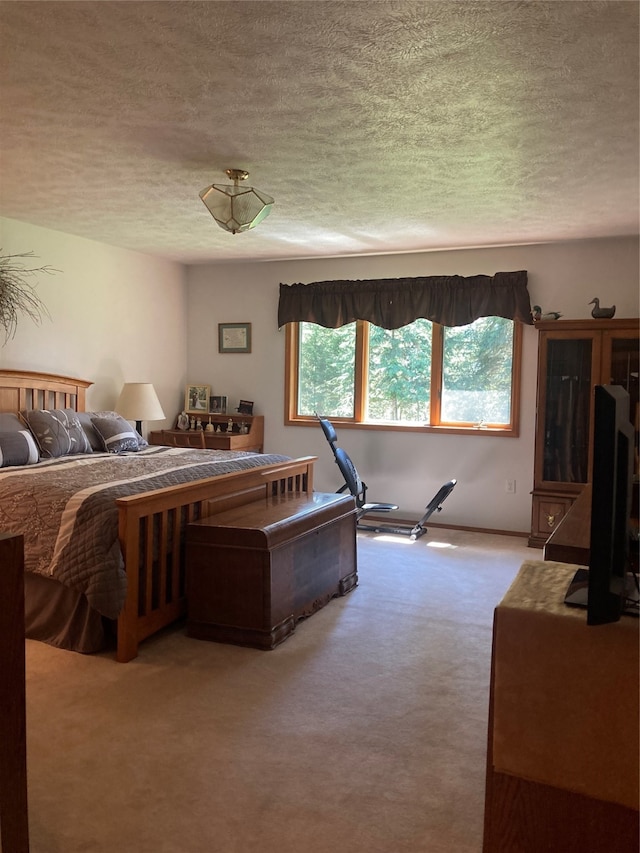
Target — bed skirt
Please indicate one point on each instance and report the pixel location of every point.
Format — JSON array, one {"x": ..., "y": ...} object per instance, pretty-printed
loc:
[{"x": 62, "y": 617}]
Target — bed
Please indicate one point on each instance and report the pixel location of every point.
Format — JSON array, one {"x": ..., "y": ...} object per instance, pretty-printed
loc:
[{"x": 104, "y": 532}]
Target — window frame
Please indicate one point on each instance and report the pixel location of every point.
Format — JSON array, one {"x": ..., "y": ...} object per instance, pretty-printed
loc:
[{"x": 292, "y": 361}]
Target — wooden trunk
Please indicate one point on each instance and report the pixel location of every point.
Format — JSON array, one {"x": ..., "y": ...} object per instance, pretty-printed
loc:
[
  {"x": 155, "y": 584},
  {"x": 255, "y": 570}
]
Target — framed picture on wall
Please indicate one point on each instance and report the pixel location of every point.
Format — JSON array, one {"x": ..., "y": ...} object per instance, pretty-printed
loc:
[
  {"x": 234, "y": 337},
  {"x": 196, "y": 399},
  {"x": 217, "y": 405}
]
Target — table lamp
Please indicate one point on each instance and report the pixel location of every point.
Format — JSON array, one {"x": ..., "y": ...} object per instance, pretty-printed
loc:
[{"x": 139, "y": 402}]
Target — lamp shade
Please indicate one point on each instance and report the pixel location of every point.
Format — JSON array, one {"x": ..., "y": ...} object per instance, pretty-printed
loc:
[
  {"x": 138, "y": 401},
  {"x": 236, "y": 208}
]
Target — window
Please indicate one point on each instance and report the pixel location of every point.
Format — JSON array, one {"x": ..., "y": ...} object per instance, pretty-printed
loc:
[{"x": 421, "y": 376}]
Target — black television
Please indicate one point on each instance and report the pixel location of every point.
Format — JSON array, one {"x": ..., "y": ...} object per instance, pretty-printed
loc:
[{"x": 612, "y": 589}]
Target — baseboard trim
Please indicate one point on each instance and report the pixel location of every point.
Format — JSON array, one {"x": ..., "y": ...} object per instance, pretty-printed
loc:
[{"x": 385, "y": 521}]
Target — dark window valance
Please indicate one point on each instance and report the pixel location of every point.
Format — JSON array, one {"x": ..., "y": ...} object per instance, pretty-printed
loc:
[{"x": 451, "y": 300}]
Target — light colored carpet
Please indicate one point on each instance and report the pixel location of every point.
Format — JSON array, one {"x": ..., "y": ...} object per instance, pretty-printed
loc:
[{"x": 365, "y": 732}]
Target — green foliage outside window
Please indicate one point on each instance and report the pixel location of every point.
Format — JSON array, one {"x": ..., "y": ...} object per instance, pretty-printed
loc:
[
  {"x": 399, "y": 379},
  {"x": 327, "y": 369},
  {"x": 474, "y": 379},
  {"x": 476, "y": 372}
]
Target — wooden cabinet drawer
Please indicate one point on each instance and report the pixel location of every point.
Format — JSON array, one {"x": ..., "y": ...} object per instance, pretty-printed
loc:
[{"x": 548, "y": 512}]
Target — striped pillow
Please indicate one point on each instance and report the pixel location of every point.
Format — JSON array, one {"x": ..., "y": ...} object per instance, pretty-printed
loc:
[
  {"x": 95, "y": 439},
  {"x": 117, "y": 434},
  {"x": 17, "y": 448}
]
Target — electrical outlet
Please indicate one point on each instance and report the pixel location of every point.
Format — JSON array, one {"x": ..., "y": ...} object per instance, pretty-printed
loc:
[{"x": 510, "y": 487}]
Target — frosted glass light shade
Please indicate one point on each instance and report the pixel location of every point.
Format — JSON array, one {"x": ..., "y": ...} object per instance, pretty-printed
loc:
[
  {"x": 138, "y": 401},
  {"x": 236, "y": 208}
]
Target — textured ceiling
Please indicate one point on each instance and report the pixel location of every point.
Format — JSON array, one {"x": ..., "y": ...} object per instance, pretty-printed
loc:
[{"x": 376, "y": 126}]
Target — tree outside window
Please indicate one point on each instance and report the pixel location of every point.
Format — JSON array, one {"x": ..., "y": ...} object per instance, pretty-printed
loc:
[{"x": 421, "y": 376}]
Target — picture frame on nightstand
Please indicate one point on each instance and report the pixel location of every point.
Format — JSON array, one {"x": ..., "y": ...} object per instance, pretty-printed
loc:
[
  {"x": 196, "y": 399},
  {"x": 217, "y": 405},
  {"x": 245, "y": 407}
]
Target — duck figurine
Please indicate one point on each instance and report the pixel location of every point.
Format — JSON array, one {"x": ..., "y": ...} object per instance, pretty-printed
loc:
[
  {"x": 536, "y": 313},
  {"x": 601, "y": 313}
]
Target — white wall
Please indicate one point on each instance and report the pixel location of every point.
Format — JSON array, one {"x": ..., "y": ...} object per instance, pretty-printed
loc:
[
  {"x": 116, "y": 316},
  {"x": 401, "y": 467},
  {"x": 119, "y": 316}
]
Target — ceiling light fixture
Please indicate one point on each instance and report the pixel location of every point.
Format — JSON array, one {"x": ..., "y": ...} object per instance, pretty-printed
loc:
[{"x": 236, "y": 208}]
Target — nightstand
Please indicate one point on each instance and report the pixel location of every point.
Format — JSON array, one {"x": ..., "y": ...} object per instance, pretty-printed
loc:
[{"x": 225, "y": 440}]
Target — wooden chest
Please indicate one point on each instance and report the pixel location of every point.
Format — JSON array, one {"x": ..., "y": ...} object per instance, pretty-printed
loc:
[{"x": 255, "y": 570}]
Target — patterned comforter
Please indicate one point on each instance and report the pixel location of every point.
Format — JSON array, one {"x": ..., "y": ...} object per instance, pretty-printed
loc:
[{"x": 66, "y": 510}]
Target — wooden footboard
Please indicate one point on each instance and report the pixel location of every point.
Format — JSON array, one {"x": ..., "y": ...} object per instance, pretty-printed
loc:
[
  {"x": 151, "y": 525},
  {"x": 151, "y": 531}
]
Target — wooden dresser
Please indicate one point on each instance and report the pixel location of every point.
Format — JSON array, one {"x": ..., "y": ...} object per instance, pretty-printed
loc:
[
  {"x": 562, "y": 754},
  {"x": 253, "y": 439}
]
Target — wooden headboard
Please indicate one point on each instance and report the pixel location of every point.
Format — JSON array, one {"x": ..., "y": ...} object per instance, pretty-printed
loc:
[{"x": 24, "y": 389}]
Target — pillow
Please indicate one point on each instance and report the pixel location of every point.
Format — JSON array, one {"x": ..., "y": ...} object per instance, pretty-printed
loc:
[
  {"x": 10, "y": 422},
  {"x": 95, "y": 439},
  {"x": 58, "y": 432},
  {"x": 17, "y": 448},
  {"x": 117, "y": 434}
]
